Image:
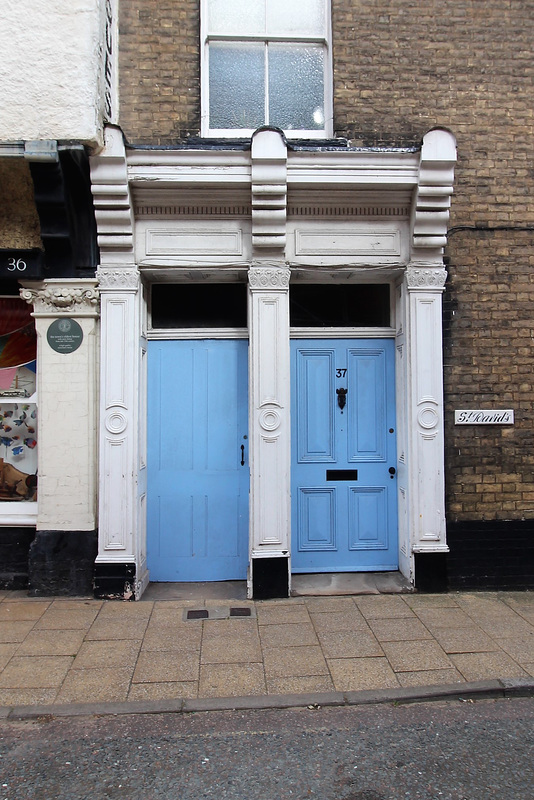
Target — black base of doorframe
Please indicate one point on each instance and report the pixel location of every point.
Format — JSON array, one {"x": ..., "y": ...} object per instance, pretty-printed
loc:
[
  {"x": 270, "y": 578},
  {"x": 114, "y": 581}
]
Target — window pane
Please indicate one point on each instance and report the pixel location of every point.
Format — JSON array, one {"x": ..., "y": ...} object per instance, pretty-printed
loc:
[
  {"x": 18, "y": 463},
  {"x": 237, "y": 85},
  {"x": 296, "y": 86},
  {"x": 294, "y": 17},
  {"x": 336, "y": 305},
  {"x": 193, "y": 305},
  {"x": 237, "y": 17}
]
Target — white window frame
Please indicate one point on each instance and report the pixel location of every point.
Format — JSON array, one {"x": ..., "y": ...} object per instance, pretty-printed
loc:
[{"x": 236, "y": 133}]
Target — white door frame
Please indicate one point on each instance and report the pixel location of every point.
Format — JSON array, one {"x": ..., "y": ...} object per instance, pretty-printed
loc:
[{"x": 259, "y": 240}]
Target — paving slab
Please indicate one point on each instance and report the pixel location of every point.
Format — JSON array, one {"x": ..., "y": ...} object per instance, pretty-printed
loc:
[
  {"x": 355, "y": 674},
  {"x": 384, "y": 606},
  {"x": 51, "y": 643},
  {"x": 294, "y": 661},
  {"x": 300, "y": 684},
  {"x": 431, "y": 677},
  {"x": 15, "y": 631},
  {"x": 15, "y": 610},
  {"x": 68, "y": 651},
  {"x": 35, "y": 672},
  {"x": 227, "y": 680},
  {"x": 399, "y": 630},
  {"x": 290, "y": 635},
  {"x": 101, "y": 685},
  {"x": 476, "y": 666},
  {"x": 98, "y": 655},
  {"x": 420, "y": 655},
  {"x": 349, "y": 644},
  {"x": 162, "y": 691},
  {"x": 465, "y": 640},
  {"x": 349, "y": 619},
  {"x": 155, "y": 667}
]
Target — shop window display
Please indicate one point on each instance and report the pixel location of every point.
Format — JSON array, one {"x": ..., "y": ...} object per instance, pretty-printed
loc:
[{"x": 18, "y": 402}]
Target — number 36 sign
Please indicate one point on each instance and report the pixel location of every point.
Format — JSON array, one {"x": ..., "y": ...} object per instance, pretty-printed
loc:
[{"x": 21, "y": 263}]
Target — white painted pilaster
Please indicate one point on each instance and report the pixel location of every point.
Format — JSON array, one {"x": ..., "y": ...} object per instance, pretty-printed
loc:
[
  {"x": 121, "y": 525},
  {"x": 425, "y": 442},
  {"x": 67, "y": 386},
  {"x": 122, "y": 465},
  {"x": 270, "y": 510}
]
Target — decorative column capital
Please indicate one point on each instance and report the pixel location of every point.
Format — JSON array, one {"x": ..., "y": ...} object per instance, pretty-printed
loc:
[
  {"x": 269, "y": 277},
  {"x": 426, "y": 278},
  {"x": 62, "y": 297},
  {"x": 122, "y": 279}
]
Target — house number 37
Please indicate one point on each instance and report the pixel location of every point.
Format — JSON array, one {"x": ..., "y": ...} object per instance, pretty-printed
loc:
[{"x": 341, "y": 373}]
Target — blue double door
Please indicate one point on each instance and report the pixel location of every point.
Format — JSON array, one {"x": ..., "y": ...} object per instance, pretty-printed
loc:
[
  {"x": 344, "y": 486},
  {"x": 198, "y": 474},
  {"x": 343, "y": 452}
]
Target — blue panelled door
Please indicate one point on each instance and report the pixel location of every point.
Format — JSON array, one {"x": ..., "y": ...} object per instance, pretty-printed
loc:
[
  {"x": 344, "y": 487},
  {"x": 198, "y": 476}
]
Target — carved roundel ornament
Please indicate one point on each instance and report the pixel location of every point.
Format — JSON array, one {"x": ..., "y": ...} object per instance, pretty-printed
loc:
[
  {"x": 270, "y": 419},
  {"x": 116, "y": 422},
  {"x": 428, "y": 418}
]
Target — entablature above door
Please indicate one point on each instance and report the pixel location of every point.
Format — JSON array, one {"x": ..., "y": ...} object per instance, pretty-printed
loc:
[{"x": 255, "y": 197}]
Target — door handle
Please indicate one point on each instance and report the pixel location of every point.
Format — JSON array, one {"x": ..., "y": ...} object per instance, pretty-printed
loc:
[
  {"x": 392, "y": 471},
  {"x": 341, "y": 398},
  {"x": 242, "y": 455}
]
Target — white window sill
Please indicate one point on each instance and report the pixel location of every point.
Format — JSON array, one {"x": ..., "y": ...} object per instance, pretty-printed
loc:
[{"x": 15, "y": 513}]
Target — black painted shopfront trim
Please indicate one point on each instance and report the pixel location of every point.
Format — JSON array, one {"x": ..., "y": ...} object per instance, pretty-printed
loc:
[{"x": 61, "y": 563}]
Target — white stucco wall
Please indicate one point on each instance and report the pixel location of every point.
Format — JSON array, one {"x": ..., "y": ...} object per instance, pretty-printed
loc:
[{"x": 51, "y": 70}]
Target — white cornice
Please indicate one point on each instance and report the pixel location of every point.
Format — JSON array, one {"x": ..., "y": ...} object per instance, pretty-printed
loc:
[{"x": 371, "y": 169}]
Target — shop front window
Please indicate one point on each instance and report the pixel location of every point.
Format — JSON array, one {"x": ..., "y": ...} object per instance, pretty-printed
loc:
[{"x": 18, "y": 402}]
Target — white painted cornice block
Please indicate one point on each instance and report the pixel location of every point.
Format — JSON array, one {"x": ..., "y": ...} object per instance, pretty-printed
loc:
[
  {"x": 269, "y": 189},
  {"x": 111, "y": 198},
  {"x": 433, "y": 196}
]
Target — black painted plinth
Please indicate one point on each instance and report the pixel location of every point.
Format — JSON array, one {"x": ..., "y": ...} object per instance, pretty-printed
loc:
[
  {"x": 114, "y": 581},
  {"x": 431, "y": 572},
  {"x": 270, "y": 578},
  {"x": 492, "y": 555},
  {"x": 61, "y": 563},
  {"x": 14, "y": 548}
]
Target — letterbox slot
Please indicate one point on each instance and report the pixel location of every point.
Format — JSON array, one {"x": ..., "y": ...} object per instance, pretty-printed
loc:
[{"x": 341, "y": 474}]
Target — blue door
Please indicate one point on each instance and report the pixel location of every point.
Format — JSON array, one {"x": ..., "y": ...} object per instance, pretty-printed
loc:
[
  {"x": 344, "y": 492},
  {"x": 198, "y": 476}
]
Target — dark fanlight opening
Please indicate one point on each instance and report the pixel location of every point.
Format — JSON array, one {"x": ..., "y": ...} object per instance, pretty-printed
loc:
[
  {"x": 199, "y": 305},
  {"x": 340, "y": 305}
]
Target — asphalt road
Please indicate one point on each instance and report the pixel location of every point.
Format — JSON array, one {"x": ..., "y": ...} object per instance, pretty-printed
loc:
[{"x": 433, "y": 751}]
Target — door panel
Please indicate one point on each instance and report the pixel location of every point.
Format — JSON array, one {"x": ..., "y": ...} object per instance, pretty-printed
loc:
[
  {"x": 197, "y": 486},
  {"x": 344, "y": 504}
]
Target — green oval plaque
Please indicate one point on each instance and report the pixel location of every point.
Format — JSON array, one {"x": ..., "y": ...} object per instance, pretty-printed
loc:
[{"x": 64, "y": 335}]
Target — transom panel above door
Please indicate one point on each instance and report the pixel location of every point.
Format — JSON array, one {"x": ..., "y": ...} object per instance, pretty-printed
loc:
[{"x": 344, "y": 504}]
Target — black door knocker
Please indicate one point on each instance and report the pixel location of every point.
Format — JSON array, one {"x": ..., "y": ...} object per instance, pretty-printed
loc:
[{"x": 341, "y": 398}]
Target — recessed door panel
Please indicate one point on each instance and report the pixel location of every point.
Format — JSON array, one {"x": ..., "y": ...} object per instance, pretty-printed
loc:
[
  {"x": 344, "y": 509},
  {"x": 198, "y": 475}
]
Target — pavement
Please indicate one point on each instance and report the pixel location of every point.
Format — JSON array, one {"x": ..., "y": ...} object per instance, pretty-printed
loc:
[{"x": 205, "y": 648}]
